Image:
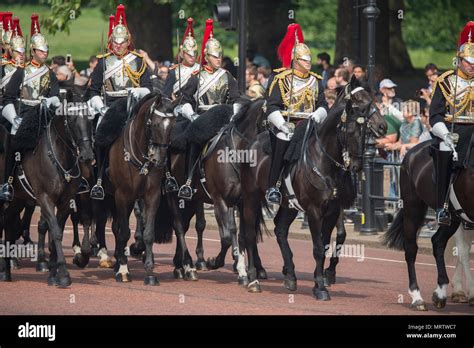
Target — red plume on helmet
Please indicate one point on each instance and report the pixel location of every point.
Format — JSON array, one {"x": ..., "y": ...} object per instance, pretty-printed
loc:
[
  {"x": 111, "y": 24},
  {"x": 16, "y": 26},
  {"x": 1, "y": 18},
  {"x": 120, "y": 15},
  {"x": 189, "y": 29},
  {"x": 35, "y": 28},
  {"x": 464, "y": 36},
  {"x": 208, "y": 32},
  {"x": 7, "y": 21},
  {"x": 285, "y": 49}
]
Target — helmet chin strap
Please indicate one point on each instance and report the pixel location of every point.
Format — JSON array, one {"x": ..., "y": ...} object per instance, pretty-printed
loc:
[{"x": 301, "y": 67}]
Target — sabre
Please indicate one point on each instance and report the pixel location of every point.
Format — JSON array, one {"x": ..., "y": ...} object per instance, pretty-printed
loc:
[
  {"x": 292, "y": 73},
  {"x": 179, "y": 63},
  {"x": 103, "y": 67},
  {"x": 23, "y": 79}
]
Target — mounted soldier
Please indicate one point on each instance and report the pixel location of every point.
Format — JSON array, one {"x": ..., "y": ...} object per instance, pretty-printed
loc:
[
  {"x": 294, "y": 91},
  {"x": 13, "y": 49},
  {"x": 118, "y": 72},
  {"x": 181, "y": 73},
  {"x": 452, "y": 106},
  {"x": 210, "y": 86},
  {"x": 26, "y": 89}
]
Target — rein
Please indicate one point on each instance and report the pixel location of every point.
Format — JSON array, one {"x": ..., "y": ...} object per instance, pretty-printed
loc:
[
  {"x": 142, "y": 162},
  {"x": 68, "y": 174}
]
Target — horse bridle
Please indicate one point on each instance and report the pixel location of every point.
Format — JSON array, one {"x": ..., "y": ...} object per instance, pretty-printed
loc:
[
  {"x": 148, "y": 163},
  {"x": 68, "y": 176},
  {"x": 362, "y": 120}
]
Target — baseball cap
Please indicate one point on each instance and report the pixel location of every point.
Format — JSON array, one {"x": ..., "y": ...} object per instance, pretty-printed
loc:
[{"x": 387, "y": 83}]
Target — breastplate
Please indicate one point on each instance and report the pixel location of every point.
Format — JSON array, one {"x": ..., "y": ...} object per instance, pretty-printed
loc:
[
  {"x": 36, "y": 87},
  {"x": 463, "y": 101},
  {"x": 303, "y": 96},
  {"x": 119, "y": 80},
  {"x": 219, "y": 90}
]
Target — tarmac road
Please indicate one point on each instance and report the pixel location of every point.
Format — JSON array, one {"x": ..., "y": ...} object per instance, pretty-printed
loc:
[{"x": 377, "y": 284}]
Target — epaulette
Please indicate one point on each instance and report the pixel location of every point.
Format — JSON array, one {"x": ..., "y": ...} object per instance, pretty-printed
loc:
[
  {"x": 444, "y": 75},
  {"x": 319, "y": 77},
  {"x": 279, "y": 70},
  {"x": 441, "y": 79},
  {"x": 279, "y": 77},
  {"x": 103, "y": 55},
  {"x": 136, "y": 54},
  {"x": 196, "y": 72}
]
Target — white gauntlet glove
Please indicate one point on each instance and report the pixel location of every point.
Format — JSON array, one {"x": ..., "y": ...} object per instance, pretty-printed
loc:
[
  {"x": 186, "y": 110},
  {"x": 441, "y": 131},
  {"x": 9, "y": 113},
  {"x": 319, "y": 115},
  {"x": 139, "y": 92},
  {"x": 54, "y": 101}
]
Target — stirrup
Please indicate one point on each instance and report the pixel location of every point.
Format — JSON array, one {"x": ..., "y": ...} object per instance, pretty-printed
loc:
[
  {"x": 6, "y": 192},
  {"x": 186, "y": 191},
  {"x": 97, "y": 192},
  {"x": 443, "y": 217},
  {"x": 171, "y": 185},
  {"x": 83, "y": 186},
  {"x": 273, "y": 195}
]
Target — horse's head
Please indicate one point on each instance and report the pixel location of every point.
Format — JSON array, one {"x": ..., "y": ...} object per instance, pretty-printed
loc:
[
  {"x": 159, "y": 123},
  {"x": 360, "y": 115},
  {"x": 79, "y": 127}
]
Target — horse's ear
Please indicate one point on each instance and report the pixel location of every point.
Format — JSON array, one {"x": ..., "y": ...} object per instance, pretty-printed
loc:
[{"x": 354, "y": 82}]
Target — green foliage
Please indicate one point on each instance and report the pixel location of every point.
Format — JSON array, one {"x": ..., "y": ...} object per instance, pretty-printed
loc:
[{"x": 435, "y": 24}]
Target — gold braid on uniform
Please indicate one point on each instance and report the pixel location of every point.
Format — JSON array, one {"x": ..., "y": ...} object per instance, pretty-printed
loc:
[
  {"x": 447, "y": 93},
  {"x": 306, "y": 97},
  {"x": 133, "y": 75}
]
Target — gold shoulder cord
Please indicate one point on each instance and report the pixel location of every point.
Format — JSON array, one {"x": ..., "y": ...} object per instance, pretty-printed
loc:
[
  {"x": 306, "y": 96},
  {"x": 133, "y": 75}
]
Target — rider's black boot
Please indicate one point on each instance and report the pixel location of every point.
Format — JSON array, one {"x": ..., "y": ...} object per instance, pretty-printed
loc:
[
  {"x": 442, "y": 163},
  {"x": 279, "y": 146},
  {"x": 186, "y": 191}
]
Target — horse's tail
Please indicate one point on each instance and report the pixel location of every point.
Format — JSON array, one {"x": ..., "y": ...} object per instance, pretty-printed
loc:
[
  {"x": 393, "y": 238},
  {"x": 163, "y": 222},
  {"x": 260, "y": 225}
]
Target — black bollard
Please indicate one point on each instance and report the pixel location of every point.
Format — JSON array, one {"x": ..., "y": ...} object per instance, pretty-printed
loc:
[{"x": 368, "y": 209}]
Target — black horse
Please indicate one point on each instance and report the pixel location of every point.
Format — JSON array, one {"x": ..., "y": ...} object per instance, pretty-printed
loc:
[
  {"x": 320, "y": 176},
  {"x": 51, "y": 166},
  {"x": 417, "y": 193}
]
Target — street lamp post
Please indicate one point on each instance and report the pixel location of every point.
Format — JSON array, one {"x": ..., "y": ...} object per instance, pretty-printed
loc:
[
  {"x": 242, "y": 45},
  {"x": 371, "y": 12}
]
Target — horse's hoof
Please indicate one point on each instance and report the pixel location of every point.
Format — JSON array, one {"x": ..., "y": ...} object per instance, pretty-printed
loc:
[
  {"x": 212, "y": 263},
  {"x": 459, "y": 297},
  {"x": 63, "y": 282},
  {"x": 191, "y": 275},
  {"x": 14, "y": 263},
  {"x": 437, "y": 301},
  {"x": 80, "y": 261},
  {"x": 329, "y": 277},
  {"x": 254, "y": 287},
  {"x": 419, "y": 306},
  {"x": 262, "y": 274},
  {"x": 178, "y": 273},
  {"x": 201, "y": 266},
  {"x": 290, "y": 284},
  {"x": 4, "y": 277},
  {"x": 322, "y": 295},
  {"x": 151, "y": 280},
  {"x": 135, "y": 251},
  {"x": 244, "y": 280},
  {"x": 123, "y": 278},
  {"x": 106, "y": 263},
  {"x": 42, "y": 266},
  {"x": 471, "y": 302},
  {"x": 52, "y": 281}
]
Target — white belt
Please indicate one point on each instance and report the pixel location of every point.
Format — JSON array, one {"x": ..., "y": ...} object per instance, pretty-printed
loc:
[
  {"x": 30, "y": 102},
  {"x": 123, "y": 93}
]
